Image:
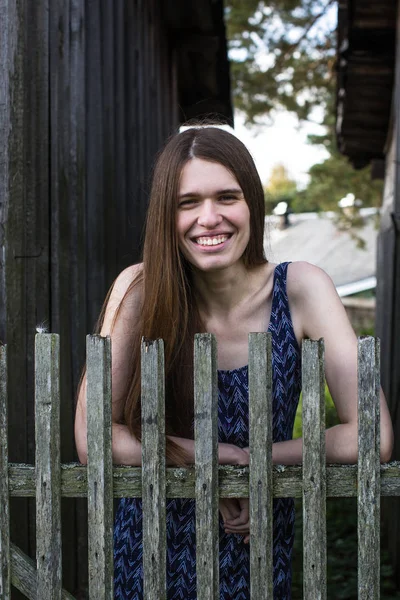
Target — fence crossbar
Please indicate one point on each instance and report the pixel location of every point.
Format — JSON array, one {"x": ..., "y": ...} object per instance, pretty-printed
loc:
[
  {"x": 314, "y": 466},
  {"x": 100, "y": 468},
  {"x": 47, "y": 466},
  {"x": 206, "y": 465},
  {"x": 368, "y": 469},
  {"x": 153, "y": 470},
  {"x": 260, "y": 473}
]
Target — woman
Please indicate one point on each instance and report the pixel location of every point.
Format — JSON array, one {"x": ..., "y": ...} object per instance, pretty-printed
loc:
[{"x": 204, "y": 269}]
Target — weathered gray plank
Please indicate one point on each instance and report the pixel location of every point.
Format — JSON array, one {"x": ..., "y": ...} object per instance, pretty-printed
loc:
[
  {"x": 47, "y": 463},
  {"x": 4, "y": 495},
  {"x": 206, "y": 455},
  {"x": 99, "y": 469},
  {"x": 153, "y": 470},
  {"x": 368, "y": 469},
  {"x": 260, "y": 472},
  {"x": 24, "y": 575},
  {"x": 314, "y": 465},
  {"x": 233, "y": 481}
]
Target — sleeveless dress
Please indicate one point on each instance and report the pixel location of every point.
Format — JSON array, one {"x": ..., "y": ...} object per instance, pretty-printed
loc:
[{"x": 233, "y": 428}]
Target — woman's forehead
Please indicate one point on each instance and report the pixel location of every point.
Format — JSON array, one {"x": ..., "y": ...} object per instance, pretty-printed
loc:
[{"x": 199, "y": 176}]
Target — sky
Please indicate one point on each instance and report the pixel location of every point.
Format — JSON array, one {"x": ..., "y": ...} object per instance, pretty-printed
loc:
[{"x": 282, "y": 143}]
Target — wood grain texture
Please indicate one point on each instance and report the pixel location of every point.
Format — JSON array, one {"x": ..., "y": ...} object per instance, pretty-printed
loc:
[
  {"x": 47, "y": 464},
  {"x": 4, "y": 493},
  {"x": 24, "y": 575},
  {"x": 260, "y": 472},
  {"x": 314, "y": 466},
  {"x": 153, "y": 470},
  {"x": 368, "y": 469},
  {"x": 341, "y": 481},
  {"x": 206, "y": 454},
  {"x": 99, "y": 469}
]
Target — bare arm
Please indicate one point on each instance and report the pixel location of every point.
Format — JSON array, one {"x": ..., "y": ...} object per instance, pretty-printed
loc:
[
  {"x": 126, "y": 449},
  {"x": 317, "y": 311}
]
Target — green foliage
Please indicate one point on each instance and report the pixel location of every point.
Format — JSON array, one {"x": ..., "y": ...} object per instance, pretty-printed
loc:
[
  {"x": 342, "y": 550},
  {"x": 334, "y": 178},
  {"x": 331, "y": 418},
  {"x": 280, "y": 188},
  {"x": 282, "y": 55}
]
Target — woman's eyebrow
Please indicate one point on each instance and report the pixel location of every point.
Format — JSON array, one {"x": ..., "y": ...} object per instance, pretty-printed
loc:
[{"x": 217, "y": 193}]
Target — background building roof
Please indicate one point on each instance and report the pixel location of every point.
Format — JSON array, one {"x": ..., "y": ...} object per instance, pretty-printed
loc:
[{"x": 315, "y": 238}]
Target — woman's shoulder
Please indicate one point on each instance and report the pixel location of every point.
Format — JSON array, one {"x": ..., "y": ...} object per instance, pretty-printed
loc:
[
  {"x": 124, "y": 298},
  {"x": 126, "y": 278},
  {"x": 305, "y": 279}
]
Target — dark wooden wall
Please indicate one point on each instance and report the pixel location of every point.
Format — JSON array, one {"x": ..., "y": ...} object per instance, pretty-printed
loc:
[
  {"x": 388, "y": 305},
  {"x": 87, "y": 96}
]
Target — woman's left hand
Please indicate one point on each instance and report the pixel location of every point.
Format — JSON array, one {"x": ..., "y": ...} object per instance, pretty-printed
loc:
[{"x": 240, "y": 524}]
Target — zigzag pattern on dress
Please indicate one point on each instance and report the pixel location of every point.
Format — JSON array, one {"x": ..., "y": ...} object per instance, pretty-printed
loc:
[{"x": 233, "y": 428}]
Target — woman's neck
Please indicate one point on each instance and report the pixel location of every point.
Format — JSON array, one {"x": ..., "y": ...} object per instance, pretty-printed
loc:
[{"x": 221, "y": 292}]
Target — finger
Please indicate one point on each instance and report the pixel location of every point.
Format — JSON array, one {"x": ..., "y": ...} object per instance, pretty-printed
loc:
[
  {"x": 242, "y": 518},
  {"x": 238, "y": 529}
]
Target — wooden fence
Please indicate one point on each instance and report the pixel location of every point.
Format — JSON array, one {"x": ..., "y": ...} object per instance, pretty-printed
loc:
[{"x": 48, "y": 480}]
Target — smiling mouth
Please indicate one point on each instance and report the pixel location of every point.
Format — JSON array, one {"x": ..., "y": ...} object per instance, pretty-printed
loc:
[{"x": 211, "y": 241}]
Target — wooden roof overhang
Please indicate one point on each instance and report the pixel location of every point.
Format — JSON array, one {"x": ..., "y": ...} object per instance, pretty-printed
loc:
[
  {"x": 365, "y": 69},
  {"x": 198, "y": 33}
]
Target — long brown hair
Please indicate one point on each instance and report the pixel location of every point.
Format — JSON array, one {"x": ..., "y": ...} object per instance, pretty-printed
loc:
[{"x": 169, "y": 310}]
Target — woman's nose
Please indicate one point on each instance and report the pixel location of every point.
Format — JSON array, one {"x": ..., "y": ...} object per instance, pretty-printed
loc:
[{"x": 209, "y": 214}]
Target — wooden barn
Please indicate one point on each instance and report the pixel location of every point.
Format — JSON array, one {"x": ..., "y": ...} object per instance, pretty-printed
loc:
[
  {"x": 89, "y": 90},
  {"x": 368, "y": 132}
]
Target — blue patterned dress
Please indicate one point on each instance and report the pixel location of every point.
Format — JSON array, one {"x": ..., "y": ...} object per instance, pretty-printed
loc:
[{"x": 233, "y": 428}]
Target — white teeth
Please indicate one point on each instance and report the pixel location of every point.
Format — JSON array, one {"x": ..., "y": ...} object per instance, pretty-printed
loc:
[{"x": 212, "y": 241}]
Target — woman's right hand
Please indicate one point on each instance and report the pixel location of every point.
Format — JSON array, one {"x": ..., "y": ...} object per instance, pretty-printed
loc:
[
  {"x": 229, "y": 509},
  {"x": 229, "y": 454}
]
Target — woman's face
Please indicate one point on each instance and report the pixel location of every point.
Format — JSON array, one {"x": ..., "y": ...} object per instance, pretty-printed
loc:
[{"x": 213, "y": 218}]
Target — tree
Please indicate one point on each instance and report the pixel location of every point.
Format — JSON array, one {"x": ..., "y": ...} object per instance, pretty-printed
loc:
[
  {"x": 280, "y": 188},
  {"x": 282, "y": 55},
  {"x": 335, "y": 178}
]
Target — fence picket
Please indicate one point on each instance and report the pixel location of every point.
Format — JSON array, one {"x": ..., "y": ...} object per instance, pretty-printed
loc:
[
  {"x": 368, "y": 469},
  {"x": 314, "y": 471},
  {"x": 47, "y": 459},
  {"x": 4, "y": 491},
  {"x": 153, "y": 470},
  {"x": 260, "y": 474},
  {"x": 369, "y": 480},
  {"x": 206, "y": 454},
  {"x": 99, "y": 469}
]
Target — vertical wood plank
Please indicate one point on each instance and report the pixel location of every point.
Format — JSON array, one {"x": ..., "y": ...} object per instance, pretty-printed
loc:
[
  {"x": 48, "y": 482},
  {"x": 99, "y": 471},
  {"x": 153, "y": 470},
  {"x": 314, "y": 471},
  {"x": 368, "y": 469},
  {"x": 4, "y": 497},
  {"x": 78, "y": 265},
  {"x": 206, "y": 457},
  {"x": 13, "y": 295},
  {"x": 260, "y": 475},
  {"x": 96, "y": 226}
]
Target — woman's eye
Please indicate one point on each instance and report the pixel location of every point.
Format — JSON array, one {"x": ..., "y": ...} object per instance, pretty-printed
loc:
[
  {"x": 227, "y": 198},
  {"x": 186, "y": 203}
]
